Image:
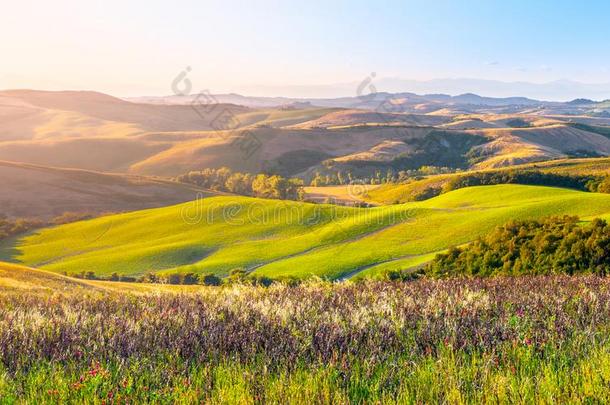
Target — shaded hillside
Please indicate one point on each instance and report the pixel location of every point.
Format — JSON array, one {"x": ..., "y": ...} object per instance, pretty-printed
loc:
[{"x": 46, "y": 192}]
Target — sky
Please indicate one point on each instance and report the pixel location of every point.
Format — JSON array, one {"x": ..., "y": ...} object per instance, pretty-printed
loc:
[{"x": 131, "y": 48}]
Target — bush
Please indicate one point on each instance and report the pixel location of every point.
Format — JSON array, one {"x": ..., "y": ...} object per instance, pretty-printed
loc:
[{"x": 402, "y": 275}]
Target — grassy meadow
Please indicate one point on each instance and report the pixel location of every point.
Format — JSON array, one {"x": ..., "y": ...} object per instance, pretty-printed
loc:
[
  {"x": 280, "y": 239},
  {"x": 497, "y": 340}
]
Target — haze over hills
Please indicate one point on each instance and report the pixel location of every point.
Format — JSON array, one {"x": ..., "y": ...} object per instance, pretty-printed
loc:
[
  {"x": 556, "y": 90},
  {"x": 244, "y": 202},
  {"x": 94, "y": 131},
  {"x": 367, "y": 99}
]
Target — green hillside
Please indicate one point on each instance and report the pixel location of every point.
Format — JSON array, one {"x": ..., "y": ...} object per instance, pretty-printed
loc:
[
  {"x": 285, "y": 238},
  {"x": 423, "y": 188}
]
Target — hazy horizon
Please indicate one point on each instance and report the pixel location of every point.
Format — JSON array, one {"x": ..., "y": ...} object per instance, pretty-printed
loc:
[
  {"x": 278, "y": 49},
  {"x": 553, "y": 91}
]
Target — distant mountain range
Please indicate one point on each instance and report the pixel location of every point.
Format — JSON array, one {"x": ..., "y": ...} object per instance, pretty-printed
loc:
[
  {"x": 557, "y": 90},
  {"x": 398, "y": 102}
]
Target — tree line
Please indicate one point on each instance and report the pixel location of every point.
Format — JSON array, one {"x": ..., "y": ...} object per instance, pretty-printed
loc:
[
  {"x": 595, "y": 184},
  {"x": 554, "y": 245},
  {"x": 235, "y": 276},
  {"x": 527, "y": 177},
  {"x": 259, "y": 185},
  {"x": 340, "y": 178}
]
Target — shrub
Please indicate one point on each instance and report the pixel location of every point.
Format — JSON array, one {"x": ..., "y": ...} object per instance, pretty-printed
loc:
[{"x": 261, "y": 280}]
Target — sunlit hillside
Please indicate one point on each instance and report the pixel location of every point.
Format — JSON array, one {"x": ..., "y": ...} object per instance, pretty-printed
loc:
[{"x": 290, "y": 239}]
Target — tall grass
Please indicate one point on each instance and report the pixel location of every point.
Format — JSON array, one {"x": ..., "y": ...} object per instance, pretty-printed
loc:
[{"x": 496, "y": 340}]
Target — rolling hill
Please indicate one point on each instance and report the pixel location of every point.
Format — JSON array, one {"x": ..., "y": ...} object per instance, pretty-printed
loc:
[
  {"x": 289, "y": 239},
  {"x": 417, "y": 188},
  {"x": 94, "y": 131},
  {"x": 45, "y": 192}
]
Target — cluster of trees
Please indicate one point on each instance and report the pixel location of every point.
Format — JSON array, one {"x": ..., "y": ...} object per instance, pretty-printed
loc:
[
  {"x": 547, "y": 246},
  {"x": 595, "y": 184},
  {"x": 260, "y": 185},
  {"x": 279, "y": 187}
]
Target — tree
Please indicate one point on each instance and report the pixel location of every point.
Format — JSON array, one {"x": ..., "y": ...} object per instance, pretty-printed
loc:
[
  {"x": 237, "y": 275},
  {"x": 604, "y": 185},
  {"x": 260, "y": 186},
  {"x": 211, "y": 280},
  {"x": 175, "y": 278},
  {"x": 190, "y": 279}
]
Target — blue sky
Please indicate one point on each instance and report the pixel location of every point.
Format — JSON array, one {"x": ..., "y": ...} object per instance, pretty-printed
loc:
[{"x": 138, "y": 47}]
